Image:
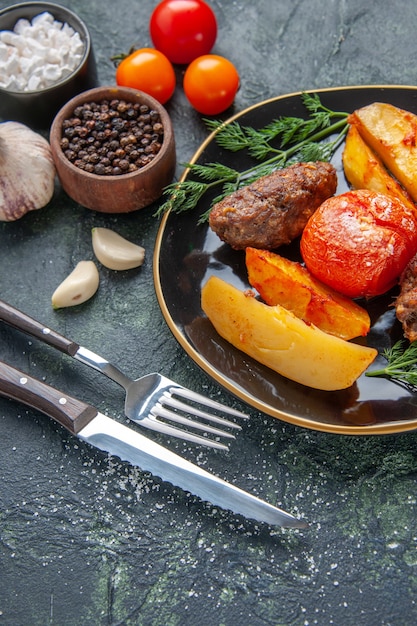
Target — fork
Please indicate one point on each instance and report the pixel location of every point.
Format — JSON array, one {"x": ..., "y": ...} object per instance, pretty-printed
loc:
[{"x": 153, "y": 401}]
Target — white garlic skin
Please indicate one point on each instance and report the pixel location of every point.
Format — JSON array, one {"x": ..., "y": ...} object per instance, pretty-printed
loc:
[
  {"x": 114, "y": 251},
  {"x": 78, "y": 287},
  {"x": 27, "y": 169}
]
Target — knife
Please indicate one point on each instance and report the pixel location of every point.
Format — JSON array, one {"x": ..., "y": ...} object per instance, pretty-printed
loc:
[{"x": 109, "y": 435}]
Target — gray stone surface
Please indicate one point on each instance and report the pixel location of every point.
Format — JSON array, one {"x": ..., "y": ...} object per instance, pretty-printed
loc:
[{"x": 89, "y": 541}]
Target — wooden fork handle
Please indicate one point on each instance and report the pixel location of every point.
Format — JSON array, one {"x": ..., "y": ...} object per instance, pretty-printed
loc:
[
  {"x": 13, "y": 317},
  {"x": 71, "y": 413}
]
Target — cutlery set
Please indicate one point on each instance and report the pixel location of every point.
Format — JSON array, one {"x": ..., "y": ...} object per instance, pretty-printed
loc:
[{"x": 154, "y": 402}]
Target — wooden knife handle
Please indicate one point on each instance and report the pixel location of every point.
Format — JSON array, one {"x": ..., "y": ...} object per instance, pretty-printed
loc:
[
  {"x": 27, "y": 324},
  {"x": 67, "y": 411}
]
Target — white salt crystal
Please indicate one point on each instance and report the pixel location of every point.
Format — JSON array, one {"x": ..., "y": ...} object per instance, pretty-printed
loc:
[
  {"x": 52, "y": 73},
  {"x": 37, "y": 54},
  {"x": 9, "y": 82},
  {"x": 31, "y": 47},
  {"x": 10, "y": 38},
  {"x": 21, "y": 27},
  {"x": 12, "y": 65},
  {"x": 44, "y": 18},
  {"x": 68, "y": 31},
  {"x": 27, "y": 65},
  {"x": 4, "y": 53},
  {"x": 55, "y": 56},
  {"x": 77, "y": 45},
  {"x": 34, "y": 83}
]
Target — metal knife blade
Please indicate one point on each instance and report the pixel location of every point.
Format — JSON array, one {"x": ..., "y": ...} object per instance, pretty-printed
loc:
[{"x": 109, "y": 435}]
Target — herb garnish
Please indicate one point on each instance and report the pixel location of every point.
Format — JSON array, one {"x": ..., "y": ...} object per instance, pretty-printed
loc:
[
  {"x": 300, "y": 140},
  {"x": 402, "y": 364}
]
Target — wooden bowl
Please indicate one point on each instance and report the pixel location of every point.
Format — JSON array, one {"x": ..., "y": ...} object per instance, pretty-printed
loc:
[
  {"x": 38, "y": 108},
  {"x": 121, "y": 193}
]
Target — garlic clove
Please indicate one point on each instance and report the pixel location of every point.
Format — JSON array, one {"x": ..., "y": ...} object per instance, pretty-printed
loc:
[
  {"x": 78, "y": 287},
  {"x": 27, "y": 171},
  {"x": 114, "y": 251}
]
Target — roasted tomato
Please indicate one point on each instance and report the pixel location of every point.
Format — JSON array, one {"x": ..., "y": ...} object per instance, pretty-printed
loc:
[
  {"x": 183, "y": 29},
  {"x": 359, "y": 242},
  {"x": 149, "y": 71},
  {"x": 211, "y": 83}
]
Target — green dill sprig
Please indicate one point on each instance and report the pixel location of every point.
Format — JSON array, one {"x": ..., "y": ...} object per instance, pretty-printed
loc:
[
  {"x": 401, "y": 364},
  {"x": 297, "y": 139},
  {"x": 290, "y": 131}
]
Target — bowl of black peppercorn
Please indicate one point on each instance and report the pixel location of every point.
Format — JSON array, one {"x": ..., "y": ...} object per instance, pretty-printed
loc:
[{"x": 114, "y": 149}]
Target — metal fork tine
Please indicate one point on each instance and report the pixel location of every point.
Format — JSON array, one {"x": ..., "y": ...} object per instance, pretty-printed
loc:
[
  {"x": 208, "y": 402},
  {"x": 153, "y": 423},
  {"x": 168, "y": 400},
  {"x": 160, "y": 411},
  {"x": 142, "y": 394}
]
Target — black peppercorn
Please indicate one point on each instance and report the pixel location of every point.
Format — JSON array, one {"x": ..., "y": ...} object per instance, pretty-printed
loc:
[
  {"x": 99, "y": 169},
  {"x": 110, "y": 138}
]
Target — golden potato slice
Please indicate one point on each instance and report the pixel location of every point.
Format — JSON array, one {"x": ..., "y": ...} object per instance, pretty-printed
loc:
[
  {"x": 278, "y": 339},
  {"x": 365, "y": 170},
  {"x": 392, "y": 134},
  {"x": 290, "y": 284}
]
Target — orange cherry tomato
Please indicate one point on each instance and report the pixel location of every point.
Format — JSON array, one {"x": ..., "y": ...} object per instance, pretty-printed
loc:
[
  {"x": 147, "y": 70},
  {"x": 211, "y": 83},
  {"x": 359, "y": 242}
]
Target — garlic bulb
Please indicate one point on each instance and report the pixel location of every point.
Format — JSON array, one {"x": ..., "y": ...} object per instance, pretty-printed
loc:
[
  {"x": 78, "y": 287},
  {"x": 114, "y": 251},
  {"x": 27, "y": 171}
]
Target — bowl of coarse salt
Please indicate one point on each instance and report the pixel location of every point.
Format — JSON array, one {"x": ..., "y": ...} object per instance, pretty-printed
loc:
[{"x": 46, "y": 58}]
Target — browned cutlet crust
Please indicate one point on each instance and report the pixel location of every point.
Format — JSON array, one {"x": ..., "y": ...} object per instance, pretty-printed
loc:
[
  {"x": 406, "y": 303},
  {"x": 273, "y": 210}
]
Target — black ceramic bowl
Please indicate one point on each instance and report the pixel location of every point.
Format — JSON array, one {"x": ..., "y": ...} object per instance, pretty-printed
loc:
[{"x": 38, "y": 108}]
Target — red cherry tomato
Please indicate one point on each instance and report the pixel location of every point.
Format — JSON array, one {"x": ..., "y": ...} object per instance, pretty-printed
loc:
[
  {"x": 359, "y": 242},
  {"x": 183, "y": 29},
  {"x": 147, "y": 70},
  {"x": 211, "y": 83}
]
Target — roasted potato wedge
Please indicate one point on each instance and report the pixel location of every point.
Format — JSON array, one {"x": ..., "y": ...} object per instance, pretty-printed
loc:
[
  {"x": 281, "y": 281},
  {"x": 392, "y": 134},
  {"x": 278, "y": 339},
  {"x": 365, "y": 170}
]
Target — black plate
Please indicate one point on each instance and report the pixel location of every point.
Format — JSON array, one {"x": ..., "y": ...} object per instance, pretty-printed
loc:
[{"x": 186, "y": 254}]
